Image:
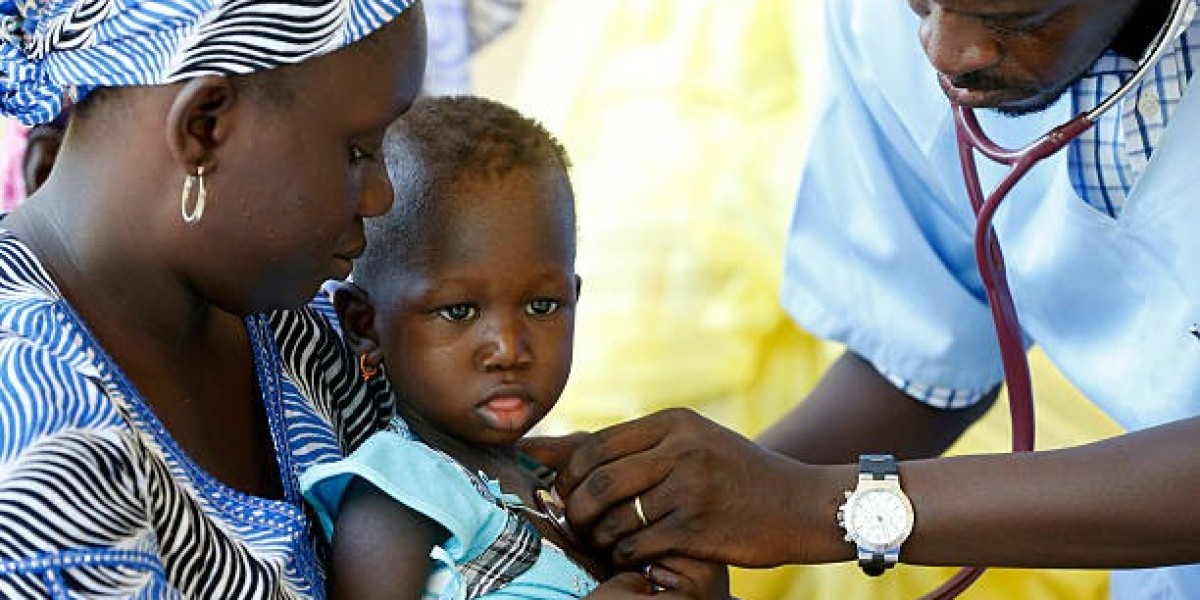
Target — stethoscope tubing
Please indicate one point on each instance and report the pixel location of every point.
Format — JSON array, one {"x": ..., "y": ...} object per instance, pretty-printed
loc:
[{"x": 990, "y": 259}]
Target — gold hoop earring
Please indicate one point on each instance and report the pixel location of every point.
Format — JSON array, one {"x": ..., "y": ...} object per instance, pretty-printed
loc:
[
  {"x": 368, "y": 370},
  {"x": 197, "y": 181}
]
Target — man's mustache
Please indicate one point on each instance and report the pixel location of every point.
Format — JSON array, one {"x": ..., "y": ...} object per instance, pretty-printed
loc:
[{"x": 982, "y": 81}]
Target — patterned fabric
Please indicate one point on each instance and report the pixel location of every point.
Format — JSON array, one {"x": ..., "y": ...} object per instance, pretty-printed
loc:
[
  {"x": 513, "y": 554},
  {"x": 53, "y": 49},
  {"x": 1106, "y": 160},
  {"x": 933, "y": 395},
  {"x": 457, "y": 29},
  {"x": 96, "y": 498}
]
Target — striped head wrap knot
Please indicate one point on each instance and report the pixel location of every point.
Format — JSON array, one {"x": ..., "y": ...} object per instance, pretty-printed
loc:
[
  {"x": 57, "y": 51},
  {"x": 24, "y": 85}
]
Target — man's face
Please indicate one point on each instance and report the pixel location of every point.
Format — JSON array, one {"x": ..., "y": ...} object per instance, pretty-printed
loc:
[{"x": 1016, "y": 56}]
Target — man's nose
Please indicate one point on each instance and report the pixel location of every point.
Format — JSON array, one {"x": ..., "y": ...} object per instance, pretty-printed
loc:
[{"x": 957, "y": 44}]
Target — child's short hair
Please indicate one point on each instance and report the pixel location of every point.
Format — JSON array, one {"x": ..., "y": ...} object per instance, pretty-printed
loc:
[{"x": 440, "y": 142}]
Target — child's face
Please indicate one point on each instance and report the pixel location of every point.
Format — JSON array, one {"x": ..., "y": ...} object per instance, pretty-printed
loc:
[{"x": 478, "y": 331}]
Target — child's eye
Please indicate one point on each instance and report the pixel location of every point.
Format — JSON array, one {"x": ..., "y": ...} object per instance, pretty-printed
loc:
[
  {"x": 541, "y": 307},
  {"x": 458, "y": 312},
  {"x": 359, "y": 154}
]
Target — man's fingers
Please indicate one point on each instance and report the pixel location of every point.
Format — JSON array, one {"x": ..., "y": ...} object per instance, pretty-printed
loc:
[
  {"x": 615, "y": 442},
  {"x": 637, "y": 511},
  {"x": 648, "y": 544},
  {"x": 608, "y": 496},
  {"x": 552, "y": 451}
]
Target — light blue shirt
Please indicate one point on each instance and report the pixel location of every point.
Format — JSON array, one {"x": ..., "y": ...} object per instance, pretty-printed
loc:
[
  {"x": 484, "y": 556},
  {"x": 880, "y": 254}
]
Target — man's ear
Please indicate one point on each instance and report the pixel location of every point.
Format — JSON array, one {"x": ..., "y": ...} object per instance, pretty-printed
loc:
[
  {"x": 199, "y": 120},
  {"x": 357, "y": 316}
]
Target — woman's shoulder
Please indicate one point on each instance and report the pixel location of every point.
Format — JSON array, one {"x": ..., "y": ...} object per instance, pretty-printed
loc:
[
  {"x": 49, "y": 378},
  {"x": 71, "y": 476},
  {"x": 44, "y": 394},
  {"x": 23, "y": 279}
]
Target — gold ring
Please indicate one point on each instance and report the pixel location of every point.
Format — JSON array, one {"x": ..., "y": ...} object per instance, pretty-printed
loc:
[{"x": 637, "y": 507}]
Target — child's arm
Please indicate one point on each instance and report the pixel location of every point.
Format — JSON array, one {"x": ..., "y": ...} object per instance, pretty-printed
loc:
[{"x": 380, "y": 547}]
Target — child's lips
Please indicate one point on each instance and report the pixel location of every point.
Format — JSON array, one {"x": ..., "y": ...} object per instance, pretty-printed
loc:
[
  {"x": 506, "y": 412},
  {"x": 506, "y": 403}
]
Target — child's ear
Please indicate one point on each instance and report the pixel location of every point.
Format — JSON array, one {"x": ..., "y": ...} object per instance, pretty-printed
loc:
[{"x": 357, "y": 316}]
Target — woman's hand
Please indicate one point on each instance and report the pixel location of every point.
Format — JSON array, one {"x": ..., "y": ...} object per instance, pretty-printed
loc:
[
  {"x": 693, "y": 578},
  {"x": 671, "y": 578},
  {"x": 704, "y": 492}
]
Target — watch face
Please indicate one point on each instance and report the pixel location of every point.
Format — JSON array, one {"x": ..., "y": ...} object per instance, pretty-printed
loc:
[{"x": 879, "y": 517}]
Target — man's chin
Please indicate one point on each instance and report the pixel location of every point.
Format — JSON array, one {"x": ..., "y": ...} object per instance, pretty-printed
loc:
[
  {"x": 1010, "y": 103},
  {"x": 1031, "y": 105}
]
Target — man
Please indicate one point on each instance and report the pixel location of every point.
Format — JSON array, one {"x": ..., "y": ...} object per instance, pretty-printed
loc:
[{"x": 1104, "y": 266}]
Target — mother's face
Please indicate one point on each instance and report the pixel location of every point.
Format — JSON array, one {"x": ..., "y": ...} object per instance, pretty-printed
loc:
[
  {"x": 1017, "y": 56},
  {"x": 299, "y": 168}
]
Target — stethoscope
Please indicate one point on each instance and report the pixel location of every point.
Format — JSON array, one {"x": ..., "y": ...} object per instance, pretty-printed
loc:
[{"x": 990, "y": 259}]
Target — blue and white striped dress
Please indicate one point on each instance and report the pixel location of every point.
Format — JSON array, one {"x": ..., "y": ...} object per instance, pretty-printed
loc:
[{"x": 97, "y": 500}]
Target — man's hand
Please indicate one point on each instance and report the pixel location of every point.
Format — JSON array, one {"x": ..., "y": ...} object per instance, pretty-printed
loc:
[{"x": 705, "y": 492}]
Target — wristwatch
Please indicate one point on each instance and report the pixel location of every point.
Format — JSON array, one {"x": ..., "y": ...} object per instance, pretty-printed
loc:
[{"x": 877, "y": 517}]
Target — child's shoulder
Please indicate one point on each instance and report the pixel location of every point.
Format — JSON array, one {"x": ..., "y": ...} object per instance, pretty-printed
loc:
[{"x": 416, "y": 475}]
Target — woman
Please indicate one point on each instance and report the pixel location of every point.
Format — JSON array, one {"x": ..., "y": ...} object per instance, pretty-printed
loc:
[{"x": 156, "y": 401}]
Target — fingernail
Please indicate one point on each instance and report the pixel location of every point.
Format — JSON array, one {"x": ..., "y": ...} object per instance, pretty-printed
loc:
[{"x": 662, "y": 576}]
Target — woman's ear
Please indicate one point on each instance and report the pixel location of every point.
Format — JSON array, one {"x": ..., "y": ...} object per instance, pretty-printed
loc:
[
  {"x": 200, "y": 119},
  {"x": 357, "y": 316}
]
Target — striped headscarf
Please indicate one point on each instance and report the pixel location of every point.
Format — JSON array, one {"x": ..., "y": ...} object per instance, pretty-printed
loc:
[{"x": 53, "y": 51}]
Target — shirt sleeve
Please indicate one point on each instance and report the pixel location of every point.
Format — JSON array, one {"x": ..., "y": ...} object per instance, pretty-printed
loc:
[
  {"x": 416, "y": 476},
  {"x": 74, "y": 517},
  {"x": 935, "y": 396},
  {"x": 488, "y": 546},
  {"x": 879, "y": 255}
]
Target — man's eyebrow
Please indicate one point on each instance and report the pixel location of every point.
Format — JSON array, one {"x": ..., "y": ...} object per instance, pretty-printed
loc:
[
  {"x": 1018, "y": 16},
  {"x": 1013, "y": 18},
  {"x": 1013, "y": 14},
  {"x": 990, "y": 10}
]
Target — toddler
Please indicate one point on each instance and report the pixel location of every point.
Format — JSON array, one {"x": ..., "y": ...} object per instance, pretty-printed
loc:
[{"x": 465, "y": 299}]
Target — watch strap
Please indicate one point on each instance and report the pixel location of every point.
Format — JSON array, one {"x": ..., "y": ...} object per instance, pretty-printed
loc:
[
  {"x": 875, "y": 564},
  {"x": 878, "y": 467}
]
